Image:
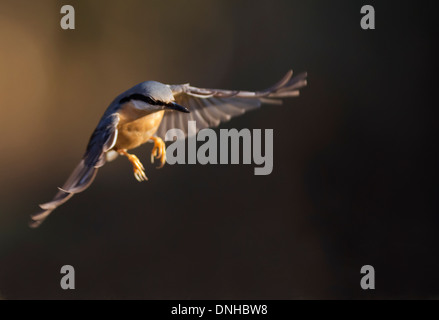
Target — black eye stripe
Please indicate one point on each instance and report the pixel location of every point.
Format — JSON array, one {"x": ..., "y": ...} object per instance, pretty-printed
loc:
[{"x": 141, "y": 97}]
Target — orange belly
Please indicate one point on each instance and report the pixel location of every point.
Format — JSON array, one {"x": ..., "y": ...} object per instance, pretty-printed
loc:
[{"x": 135, "y": 129}]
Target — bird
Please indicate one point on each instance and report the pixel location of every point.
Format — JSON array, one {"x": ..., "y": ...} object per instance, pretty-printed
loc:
[{"x": 146, "y": 112}]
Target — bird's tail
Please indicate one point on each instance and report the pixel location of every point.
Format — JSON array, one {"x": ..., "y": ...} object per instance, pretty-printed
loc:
[{"x": 79, "y": 180}]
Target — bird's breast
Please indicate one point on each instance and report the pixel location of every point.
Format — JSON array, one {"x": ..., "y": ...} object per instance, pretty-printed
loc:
[{"x": 134, "y": 128}]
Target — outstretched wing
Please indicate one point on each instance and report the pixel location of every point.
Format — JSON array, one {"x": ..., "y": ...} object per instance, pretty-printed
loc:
[
  {"x": 103, "y": 139},
  {"x": 210, "y": 107}
]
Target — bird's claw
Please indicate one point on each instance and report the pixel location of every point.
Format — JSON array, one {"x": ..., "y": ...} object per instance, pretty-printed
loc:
[
  {"x": 140, "y": 175},
  {"x": 158, "y": 151},
  {"x": 139, "y": 170}
]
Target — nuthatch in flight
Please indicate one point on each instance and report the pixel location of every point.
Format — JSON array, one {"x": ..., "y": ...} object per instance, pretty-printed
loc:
[{"x": 146, "y": 112}]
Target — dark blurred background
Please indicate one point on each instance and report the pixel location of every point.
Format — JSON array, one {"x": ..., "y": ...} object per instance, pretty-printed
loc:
[{"x": 354, "y": 180}]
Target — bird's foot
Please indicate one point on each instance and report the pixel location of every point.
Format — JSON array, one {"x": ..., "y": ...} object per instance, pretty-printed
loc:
[
  {"x": 158, "y": 151},
  {"x": 139, "y": 170}
]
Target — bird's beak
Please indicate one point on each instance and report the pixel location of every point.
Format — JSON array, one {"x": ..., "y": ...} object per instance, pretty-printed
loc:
[{"x": 177, "y": 107}]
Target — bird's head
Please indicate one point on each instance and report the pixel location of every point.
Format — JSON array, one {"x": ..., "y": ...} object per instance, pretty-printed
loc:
[{"x": 152, "y": 96}]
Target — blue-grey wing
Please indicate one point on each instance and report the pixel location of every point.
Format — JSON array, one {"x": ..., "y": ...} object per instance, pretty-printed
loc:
[
  {"x": 103, "y": 139},
  {"x": 210, "y": 107}
]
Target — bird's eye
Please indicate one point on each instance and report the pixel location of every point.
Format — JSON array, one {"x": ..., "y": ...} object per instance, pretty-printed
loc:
[
  {"x": 141, "y": 97},
  {"x": 151, "y": 101}
]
